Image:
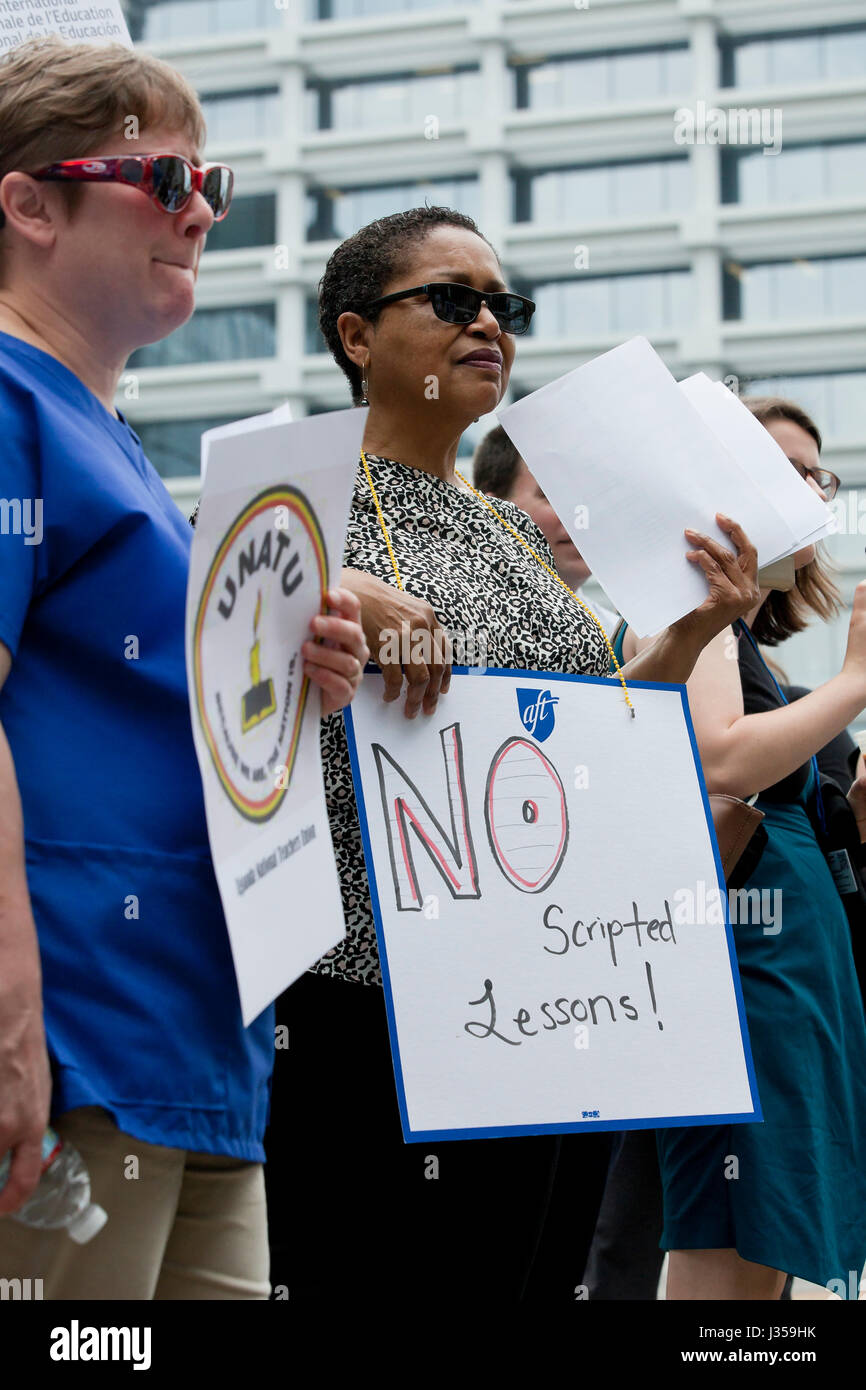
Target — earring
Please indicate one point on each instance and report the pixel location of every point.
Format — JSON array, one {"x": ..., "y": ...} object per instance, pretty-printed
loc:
[{"x": 364, "y": 383}]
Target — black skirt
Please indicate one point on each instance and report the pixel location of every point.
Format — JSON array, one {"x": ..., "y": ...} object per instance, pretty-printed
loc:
[{"x": 355, "y": 1213}]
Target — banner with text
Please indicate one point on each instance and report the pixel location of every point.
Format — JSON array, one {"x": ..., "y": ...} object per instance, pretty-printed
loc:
[
  {"x": 21, "y": 20},
  {"x": 551, "y": 912}
]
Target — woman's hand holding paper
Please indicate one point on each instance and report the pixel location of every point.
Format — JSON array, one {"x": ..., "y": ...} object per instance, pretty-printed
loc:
[{"x": 732, "y": 576}]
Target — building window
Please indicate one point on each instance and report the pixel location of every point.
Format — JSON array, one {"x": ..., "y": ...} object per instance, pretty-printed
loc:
[
  {"x": 251, "y": 115},
  {"x": 589, "y": 193},
  {"x": 361, "y": 9},
  {"x": 215, "y": 335},
  {"x": 335, "y": 213},
  {"x": 835, "y": 400},
  {"x": 387, "y": 103},
  {"x": 622, "y": 75},
  {"x": 797, "y": 174},
  {"x": 174, "y": 446},
  {"x": 820, "y": 55},
  {"x": 473, "y": 435},
  {"x": 252, "y": 221},
  {"x": 830, "y": 288},
  {"x": 469, "y": 440},
  {"x": 314, "y": 343},
  {"x": 180, "y": 19},
  {"x": 642, "y": 303}
]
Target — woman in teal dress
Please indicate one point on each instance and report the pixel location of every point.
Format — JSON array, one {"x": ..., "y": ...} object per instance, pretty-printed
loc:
[{"x": 746, "y": 1204}]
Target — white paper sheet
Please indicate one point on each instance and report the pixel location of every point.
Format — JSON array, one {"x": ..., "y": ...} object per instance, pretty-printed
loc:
[
  {"x": 806, "y": 516},
  {"x": 280, "y": 416},
  {"x": 269, "y": 539},
  {"x": 628, "y": 463}
]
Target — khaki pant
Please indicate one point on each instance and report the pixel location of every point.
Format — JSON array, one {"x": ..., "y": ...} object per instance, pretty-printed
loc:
[{"x": 189, "y": 1225}]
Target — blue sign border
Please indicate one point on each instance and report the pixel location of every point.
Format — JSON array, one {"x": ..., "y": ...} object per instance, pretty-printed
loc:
[{"x": 417, "y": 1136}]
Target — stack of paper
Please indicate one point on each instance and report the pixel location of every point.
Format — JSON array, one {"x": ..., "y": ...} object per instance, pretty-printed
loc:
[{"x": 629, "y": 458}]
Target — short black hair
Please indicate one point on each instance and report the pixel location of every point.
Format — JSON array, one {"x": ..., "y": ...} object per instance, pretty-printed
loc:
[
  {"x": 363, "y": 264},
  {"x": 496, "y": 463}
]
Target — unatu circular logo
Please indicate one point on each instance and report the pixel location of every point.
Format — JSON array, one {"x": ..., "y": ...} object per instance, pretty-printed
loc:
[{"x": 250, "y": 691}]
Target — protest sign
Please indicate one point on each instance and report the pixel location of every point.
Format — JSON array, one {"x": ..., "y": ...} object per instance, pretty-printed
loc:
[
  {"x": 69, "y": 19},
  {"x": 269, "y": 540},
  {"x": 552, "y": 920}
]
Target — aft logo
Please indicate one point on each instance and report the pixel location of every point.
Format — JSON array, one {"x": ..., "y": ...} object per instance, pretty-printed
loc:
[{"x": 536, "y": 712}]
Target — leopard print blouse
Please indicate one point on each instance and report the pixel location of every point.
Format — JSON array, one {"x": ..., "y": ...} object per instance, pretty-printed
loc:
[{"x": 499, "y": 607}]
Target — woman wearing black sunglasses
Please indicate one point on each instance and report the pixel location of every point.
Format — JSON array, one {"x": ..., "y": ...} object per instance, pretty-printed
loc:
[{"x": 417, "y": 314}]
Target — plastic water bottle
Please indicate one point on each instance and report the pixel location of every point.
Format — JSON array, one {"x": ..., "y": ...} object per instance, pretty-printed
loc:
[{"x": 62, "y": 1197}]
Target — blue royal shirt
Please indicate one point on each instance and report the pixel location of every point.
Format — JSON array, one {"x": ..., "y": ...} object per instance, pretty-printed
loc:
[{"x": 141, "y": 1004}]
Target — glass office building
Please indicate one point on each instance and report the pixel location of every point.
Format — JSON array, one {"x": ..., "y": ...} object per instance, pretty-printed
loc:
[{"x": 553, "y": 124}]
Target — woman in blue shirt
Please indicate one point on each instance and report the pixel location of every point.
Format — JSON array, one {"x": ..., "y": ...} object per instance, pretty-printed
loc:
[{"x": 111, "y": 928}]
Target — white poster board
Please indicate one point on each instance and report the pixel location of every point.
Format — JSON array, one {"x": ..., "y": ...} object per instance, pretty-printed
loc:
[
  {"x": 628, "y": 461},
  {"x": 78, "y": 22},
  {"x": 550, "y": 908},
  {"x": 269, "y": 540}
]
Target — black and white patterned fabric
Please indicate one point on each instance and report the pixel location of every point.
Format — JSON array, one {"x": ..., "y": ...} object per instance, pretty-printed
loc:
[{"x": 499, "y": 606}]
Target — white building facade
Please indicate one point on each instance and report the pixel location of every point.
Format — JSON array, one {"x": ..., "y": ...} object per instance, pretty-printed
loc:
[{"x": 563, "y": 128}]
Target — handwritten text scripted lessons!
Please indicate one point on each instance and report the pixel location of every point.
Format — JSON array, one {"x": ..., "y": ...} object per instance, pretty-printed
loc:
[
  {"x": 527, "y": 824},
  {"x": 595, "y": 1008}
]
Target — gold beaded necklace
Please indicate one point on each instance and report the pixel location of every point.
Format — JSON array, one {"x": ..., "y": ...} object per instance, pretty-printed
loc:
[{"x": 525, "y": 544}]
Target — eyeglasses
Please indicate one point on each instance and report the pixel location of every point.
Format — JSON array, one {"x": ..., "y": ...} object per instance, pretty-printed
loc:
[
  {"x": 462, "y": 304},
  {"x": 168, "y": 180},
  {"x": 827, "y": 481}
]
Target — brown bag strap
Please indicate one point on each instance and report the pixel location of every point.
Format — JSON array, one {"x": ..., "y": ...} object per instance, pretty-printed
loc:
[{"x": 735, "y": 822}]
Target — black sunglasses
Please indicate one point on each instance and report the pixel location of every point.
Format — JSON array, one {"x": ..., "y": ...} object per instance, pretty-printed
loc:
[{"x": 462, "y": 304}]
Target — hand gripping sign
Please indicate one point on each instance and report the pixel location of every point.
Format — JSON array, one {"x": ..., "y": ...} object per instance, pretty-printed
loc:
[{"x": 550, "y": 909}]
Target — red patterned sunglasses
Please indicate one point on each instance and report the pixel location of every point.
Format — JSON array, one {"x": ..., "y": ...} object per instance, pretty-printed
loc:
[{"x": 168, "y": 180}]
